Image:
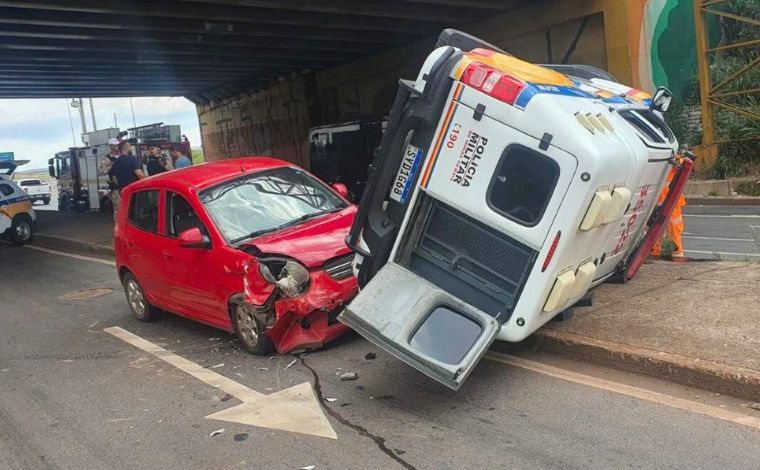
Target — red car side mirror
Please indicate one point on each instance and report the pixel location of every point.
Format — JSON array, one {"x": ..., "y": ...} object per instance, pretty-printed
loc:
[
  {"x": 340, "y": 188},
  {"x": 193, "y": 238}
]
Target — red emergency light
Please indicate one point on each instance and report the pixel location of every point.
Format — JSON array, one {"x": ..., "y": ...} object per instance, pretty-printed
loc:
[{"x": 492, "y": 82}]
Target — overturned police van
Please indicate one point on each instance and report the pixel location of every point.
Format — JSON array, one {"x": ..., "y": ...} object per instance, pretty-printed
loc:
[{"x": 502, "y": 191}]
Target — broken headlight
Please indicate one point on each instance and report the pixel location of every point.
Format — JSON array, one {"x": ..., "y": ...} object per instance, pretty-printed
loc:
[{"x": 292, "y": 277}]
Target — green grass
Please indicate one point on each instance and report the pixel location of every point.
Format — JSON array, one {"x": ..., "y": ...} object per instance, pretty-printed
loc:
[
  {"x": 197, "y": 156},
  {"x": 749, "y": 188}
]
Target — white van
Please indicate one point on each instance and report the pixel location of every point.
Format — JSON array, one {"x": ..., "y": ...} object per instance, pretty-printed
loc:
[
  {"x": 17, "y": 216},
  {"x": 501, "y": 193}
]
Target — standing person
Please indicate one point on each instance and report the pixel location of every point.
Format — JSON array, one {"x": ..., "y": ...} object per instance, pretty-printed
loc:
[
  {"x": 154, "y": 163},
  {"x": 675, "y": 227},
  {"x": 106, "y": 165},
  {"x": 180, "y": 159},
  {"x": 126, "y": 170}
]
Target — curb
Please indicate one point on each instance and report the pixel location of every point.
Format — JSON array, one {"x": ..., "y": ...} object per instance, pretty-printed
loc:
[
  {"x": 723, "y": 201},
  {"x": 63, "y": 243},
  {"x": 729, "y": 380}
]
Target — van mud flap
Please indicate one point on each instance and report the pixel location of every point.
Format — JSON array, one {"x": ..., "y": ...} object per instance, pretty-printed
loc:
[
  {"x": 421, "y": 324},
  {"x": 659, "y": 220}
]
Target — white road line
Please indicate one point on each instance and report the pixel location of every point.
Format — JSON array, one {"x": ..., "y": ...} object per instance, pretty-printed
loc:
[
  {"x": 629, "y": 390},
  {"x": 71, "y": 255},
  {"x": 751, "y": 216},
  {"x": 294, "y": 409},
  {"x": 199, "y": 372},
  {"x": 691, "y": 237},
  {"x": 723, "y": 253}
]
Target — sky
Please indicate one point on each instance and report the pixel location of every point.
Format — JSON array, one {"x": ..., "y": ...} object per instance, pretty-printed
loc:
[{"x": 35, "y": 129}]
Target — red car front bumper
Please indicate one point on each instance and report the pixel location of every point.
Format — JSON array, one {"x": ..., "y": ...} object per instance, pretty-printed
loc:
[{"x": 308, "y": 321}]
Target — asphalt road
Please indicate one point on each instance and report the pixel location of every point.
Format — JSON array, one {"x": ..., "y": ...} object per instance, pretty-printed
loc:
[
  {"x": 73, "y": 397},
  {"x": 722, "y": 232}
]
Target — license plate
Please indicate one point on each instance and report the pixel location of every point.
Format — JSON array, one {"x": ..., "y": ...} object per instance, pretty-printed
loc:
[{"x": 402, "y": 186}]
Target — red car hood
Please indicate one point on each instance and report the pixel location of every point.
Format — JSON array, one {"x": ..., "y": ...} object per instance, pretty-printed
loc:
[{"x": 313, "y": 242}]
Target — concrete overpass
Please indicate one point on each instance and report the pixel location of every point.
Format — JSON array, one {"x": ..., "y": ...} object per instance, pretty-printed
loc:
[
  {"x": 263, "y": 72},
  {"x": 203, "y": 49}
]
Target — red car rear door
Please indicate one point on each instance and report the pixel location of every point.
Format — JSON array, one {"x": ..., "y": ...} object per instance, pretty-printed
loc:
[{"x": 144, "y": 243}]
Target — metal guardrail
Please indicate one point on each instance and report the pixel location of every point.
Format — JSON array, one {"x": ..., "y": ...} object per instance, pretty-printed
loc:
[{"x": 712, "y": 96}]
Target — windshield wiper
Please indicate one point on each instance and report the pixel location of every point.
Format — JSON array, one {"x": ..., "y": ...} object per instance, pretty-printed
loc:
[
  {"x": 254, "y": 234},
  {"x": 307, "y": 217}
]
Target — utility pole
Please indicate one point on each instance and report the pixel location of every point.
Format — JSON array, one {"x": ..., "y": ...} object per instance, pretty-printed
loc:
[
  {"x": 71, "y": 122},
  {"x": 77, "y": 103},
  {"x": 134, "y": 121},
  {"x": 92, "y": 112}
]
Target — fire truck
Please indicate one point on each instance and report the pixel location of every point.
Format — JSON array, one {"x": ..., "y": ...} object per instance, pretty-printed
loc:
[
  {"x": 81, "y": 187},
  {"x": 501, "y": 193}
]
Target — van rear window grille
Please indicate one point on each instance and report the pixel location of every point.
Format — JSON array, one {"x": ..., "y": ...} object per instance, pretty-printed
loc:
[{"x": 475, "y": 252}]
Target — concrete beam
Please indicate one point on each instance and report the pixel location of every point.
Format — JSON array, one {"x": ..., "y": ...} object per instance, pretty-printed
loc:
[{"x": 177, "y": 11}]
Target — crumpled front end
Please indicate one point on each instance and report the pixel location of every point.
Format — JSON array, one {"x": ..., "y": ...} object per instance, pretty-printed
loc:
[{"x": 305, "y": 321}]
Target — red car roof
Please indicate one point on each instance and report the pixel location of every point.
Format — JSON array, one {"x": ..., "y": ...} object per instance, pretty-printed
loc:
[{"x": 208, "y": 174}]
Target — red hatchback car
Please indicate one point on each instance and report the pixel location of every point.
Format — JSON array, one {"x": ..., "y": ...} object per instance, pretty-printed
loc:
[{"x": 252, "y": 245}]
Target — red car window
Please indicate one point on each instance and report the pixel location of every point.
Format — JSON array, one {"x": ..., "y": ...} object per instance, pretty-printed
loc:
[
  {"x": 143, "y": 210},
  {"x": 180, "y": 215}
]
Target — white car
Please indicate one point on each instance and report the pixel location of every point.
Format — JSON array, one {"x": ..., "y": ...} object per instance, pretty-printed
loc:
[
  {"x": 17, "y": 216},
  {"x": 36, "y": 189}
]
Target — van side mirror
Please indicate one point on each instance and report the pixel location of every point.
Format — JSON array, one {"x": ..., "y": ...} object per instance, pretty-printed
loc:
[
  {"x": 194, "y": 238},
  {"x": 662, "y": 99},
  {"x": 340, "y": 188}
]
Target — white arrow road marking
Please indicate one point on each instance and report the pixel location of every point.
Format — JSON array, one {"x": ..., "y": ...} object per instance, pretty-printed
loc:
[{"x": 294, "y": 409}]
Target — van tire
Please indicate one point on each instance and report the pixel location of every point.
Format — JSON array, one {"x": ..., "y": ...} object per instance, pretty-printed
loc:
[
  {"x": 46, "y": 201},
  {"x": 138, "y": 303},
  {"x": 21, "y": 229},
  {"x": 249, "y": 330}
]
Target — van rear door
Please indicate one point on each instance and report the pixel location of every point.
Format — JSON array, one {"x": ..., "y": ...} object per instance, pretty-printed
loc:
[{"x": 421, "y": 324}]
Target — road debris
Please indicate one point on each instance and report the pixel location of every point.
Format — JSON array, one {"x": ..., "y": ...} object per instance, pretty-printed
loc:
[
  {"x": 240, "y": 437},
  {"x": 290, "y": 365},
  {"x": 272, "y": 358},
  {"x": 345, "y": 377},
  {"x": 263, "y": 369},
  {"x": 218, "y": 366},
  {"x": 370, "y": 356},
  {"x": 216, "y": 432},
  {"x": 308, "y": 467},
  {"x": 330, "y": 399}
]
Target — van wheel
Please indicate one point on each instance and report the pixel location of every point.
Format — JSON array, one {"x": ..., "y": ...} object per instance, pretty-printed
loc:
[
  {"x": 21, "y": 229},
  {"x": 249, "y": 330},
  {"x": 46, "y": 201},
  {"x": 139, "y": 305}
]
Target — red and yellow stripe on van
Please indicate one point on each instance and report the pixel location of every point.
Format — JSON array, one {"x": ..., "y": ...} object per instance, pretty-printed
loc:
[{"x": 436, "y": 149}]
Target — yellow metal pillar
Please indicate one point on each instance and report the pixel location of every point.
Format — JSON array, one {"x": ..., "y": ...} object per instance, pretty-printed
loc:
[
  {"x": 708, "y": 151},
  {"x": 619, "y": 59}
]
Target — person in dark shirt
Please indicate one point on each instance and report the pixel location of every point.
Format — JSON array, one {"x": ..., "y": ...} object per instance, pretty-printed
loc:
[
  {"x": 127, "y": 168},
  {"x": 154, "y": 163}
]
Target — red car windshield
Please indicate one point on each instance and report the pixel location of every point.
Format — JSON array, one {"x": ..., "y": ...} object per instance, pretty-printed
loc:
[{"x": 267, "y": 201}]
